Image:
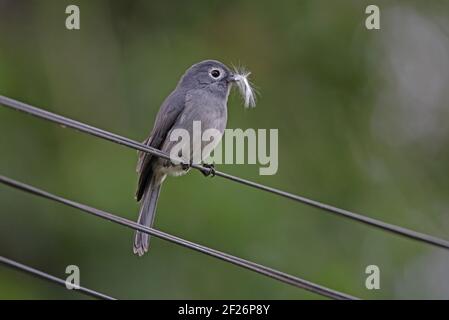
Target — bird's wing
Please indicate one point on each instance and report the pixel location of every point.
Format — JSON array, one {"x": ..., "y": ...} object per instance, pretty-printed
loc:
[{"x": 165, "y": 119}]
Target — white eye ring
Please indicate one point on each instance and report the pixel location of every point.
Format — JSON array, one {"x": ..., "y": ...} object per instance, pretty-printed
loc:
[{"x": 215, "y": 73}]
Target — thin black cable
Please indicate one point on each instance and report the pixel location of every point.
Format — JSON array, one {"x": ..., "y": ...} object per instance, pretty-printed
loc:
[
  {"x": 418, "y": 236},
  {"x": 269, "y": 272},
  {"x": 40, "y": 274}
]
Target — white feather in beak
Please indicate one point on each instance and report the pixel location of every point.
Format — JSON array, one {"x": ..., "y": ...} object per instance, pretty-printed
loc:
[{"x": 245, "y": 87}]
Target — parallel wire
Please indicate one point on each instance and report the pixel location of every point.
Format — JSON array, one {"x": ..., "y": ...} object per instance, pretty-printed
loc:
[
  {"x": 42, "y": 275},
  {"x": 418, "y": 236},
  {"x": 269, "y": 272}
]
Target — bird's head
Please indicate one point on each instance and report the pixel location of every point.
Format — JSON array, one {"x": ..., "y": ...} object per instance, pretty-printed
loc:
[{"x": 216, "y": 77}]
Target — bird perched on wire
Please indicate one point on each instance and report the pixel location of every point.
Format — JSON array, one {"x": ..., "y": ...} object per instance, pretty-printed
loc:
[{"x": 200, "y": 96}]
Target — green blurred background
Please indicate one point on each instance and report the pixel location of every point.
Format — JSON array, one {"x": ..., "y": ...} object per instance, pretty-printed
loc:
[{"x": 363, "y": 125}]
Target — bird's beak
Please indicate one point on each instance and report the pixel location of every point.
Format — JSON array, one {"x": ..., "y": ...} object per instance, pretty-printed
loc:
[{"x": 232, "y": 77}]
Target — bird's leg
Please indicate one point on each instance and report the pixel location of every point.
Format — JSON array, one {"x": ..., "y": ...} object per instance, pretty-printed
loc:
[
  {"x": 186, "y": 166},
  {"x": 211, "y": 172}
]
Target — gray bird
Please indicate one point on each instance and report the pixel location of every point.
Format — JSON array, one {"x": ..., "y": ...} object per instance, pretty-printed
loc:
[{"x": 201, "y": 95}]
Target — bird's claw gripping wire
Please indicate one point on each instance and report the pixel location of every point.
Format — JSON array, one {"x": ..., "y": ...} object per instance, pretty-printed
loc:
[
  {"x": 186, "y": 166},
  {"x": 211, "y": 170}
]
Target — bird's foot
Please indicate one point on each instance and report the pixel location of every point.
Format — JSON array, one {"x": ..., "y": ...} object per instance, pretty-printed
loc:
[
  {"x": 211, "y": 172},
  {"x": 186, "y": 166}
]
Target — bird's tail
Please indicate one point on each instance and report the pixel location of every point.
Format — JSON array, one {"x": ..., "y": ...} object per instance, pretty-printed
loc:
[{"x": 146, "y": 215}]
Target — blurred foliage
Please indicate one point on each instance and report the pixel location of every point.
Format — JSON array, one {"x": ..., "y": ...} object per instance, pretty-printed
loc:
[{"x": 320, "y": 74}]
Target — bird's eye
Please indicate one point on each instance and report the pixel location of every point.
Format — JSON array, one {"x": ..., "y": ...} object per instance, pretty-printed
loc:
[{"x": 215, "y": 73}]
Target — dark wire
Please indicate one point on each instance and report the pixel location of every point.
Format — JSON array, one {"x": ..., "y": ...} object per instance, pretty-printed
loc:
[
  {"x": 17, "y": 105},
  {"x": 269, "y": 272},
  {"x": 40, "y": 274}
]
